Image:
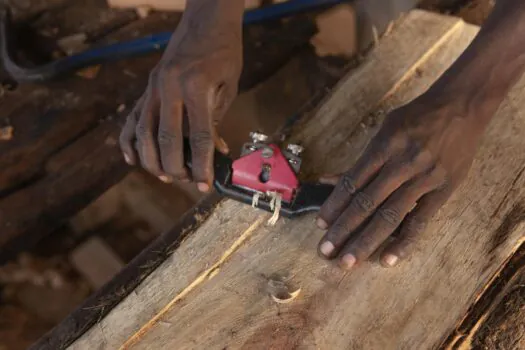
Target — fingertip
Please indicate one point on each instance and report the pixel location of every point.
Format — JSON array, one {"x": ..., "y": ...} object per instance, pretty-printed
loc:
[
  {"x": 222, "y": 146},
  {"x": 321, "y": 224},
  {"x": 347, "y": 261},
  {"x": 166, "y": 179},
  {"x": 389, "y": 260},
  {"x": 326, "y": 248},
  {"x": 127, "y": 158},
  {"x": 203, "y": 187}
]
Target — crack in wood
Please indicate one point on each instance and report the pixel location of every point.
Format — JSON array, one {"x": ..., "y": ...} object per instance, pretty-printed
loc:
[
  {"x": 511, "y": 221},
  {"x": 511, "y": 188}
]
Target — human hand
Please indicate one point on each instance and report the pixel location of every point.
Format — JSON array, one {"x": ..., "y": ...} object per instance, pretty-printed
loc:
[
  {"x": 410, "y": 168},
  {"x": 199, "y": 72}
]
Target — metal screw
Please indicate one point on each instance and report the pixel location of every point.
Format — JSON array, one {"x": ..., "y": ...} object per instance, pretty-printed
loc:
[
  {"x": 258, "y": 137},
  {"x": 267, "y": 152},
  {"x": 295, "y": 149}
]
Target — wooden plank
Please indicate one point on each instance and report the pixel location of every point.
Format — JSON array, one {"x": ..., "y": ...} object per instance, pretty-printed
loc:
[{"x": 212, "y": 295}]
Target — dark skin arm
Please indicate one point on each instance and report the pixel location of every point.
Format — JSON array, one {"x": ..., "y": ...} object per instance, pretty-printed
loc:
[
  {"x": 199, "y": 72},
  {"x": 424, "y": 149}
]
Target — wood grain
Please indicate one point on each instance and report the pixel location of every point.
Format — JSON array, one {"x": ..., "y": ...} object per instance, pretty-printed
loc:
[{"x": 211, "y": 293}]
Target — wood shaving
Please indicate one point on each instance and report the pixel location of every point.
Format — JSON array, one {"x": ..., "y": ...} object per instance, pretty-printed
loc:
[
  {"x": 89, "y": 72},
  {"x": 6, "y": 133},
  {"x": 143, "y": 11},
  {"x": 255, "y": 199},
  {"x": 281, "y": 291},
  {"x": 275, "y": 206},
  {"x": 73, "y": 44},
  {"x": 376, "y": 35}
]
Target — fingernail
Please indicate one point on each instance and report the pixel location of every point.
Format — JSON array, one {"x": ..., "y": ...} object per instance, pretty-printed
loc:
[
  {"x": 126, "y": 158},
  {"x": 224, "y": 146},
  {"x": 321, "y": 224},
  {"x": 326, "y": 248},
  {"x": 348, "y": 261},
  {"x": 390, "y": 260},
  {"x": 165, "y": 179},
  {"x": 203, "y": 187}
]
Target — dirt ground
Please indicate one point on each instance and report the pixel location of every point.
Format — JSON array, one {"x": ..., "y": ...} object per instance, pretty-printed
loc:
[{"x": 41, "y": 287}]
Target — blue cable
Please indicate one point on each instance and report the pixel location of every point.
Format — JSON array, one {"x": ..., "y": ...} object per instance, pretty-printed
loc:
[{"x": 141, "y": 46}]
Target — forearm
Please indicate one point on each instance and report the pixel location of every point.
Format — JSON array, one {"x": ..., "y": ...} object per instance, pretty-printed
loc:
[
  {"x": 481, "y": 78},
  {"x": 215, "y": 12}
]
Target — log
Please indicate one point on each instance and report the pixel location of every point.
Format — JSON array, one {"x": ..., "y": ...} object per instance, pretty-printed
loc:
[{"x": 211, "y": 292}]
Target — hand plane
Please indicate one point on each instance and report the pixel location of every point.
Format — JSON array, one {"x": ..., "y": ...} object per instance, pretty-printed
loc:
[{"x": 267, "y": 177}]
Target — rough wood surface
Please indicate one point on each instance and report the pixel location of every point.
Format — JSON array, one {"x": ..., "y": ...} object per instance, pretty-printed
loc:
[{"x": 211, "y": 292}]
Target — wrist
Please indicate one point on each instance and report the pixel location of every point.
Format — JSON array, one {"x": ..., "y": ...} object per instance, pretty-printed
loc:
[
  {"x": 207, "y": 25},
  {"x": 480, "y": 79},
  {"x": 459, "y": 102}
]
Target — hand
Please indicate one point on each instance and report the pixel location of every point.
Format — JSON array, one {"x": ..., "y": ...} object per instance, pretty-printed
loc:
[
  {"x": 419, "y": 156},
  {"x": 199, "y": 70}
]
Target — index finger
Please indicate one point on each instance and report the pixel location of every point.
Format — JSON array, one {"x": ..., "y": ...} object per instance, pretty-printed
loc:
[
  {"x": 127, "y": 134},
  {"x": 170, "y": 130}
]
